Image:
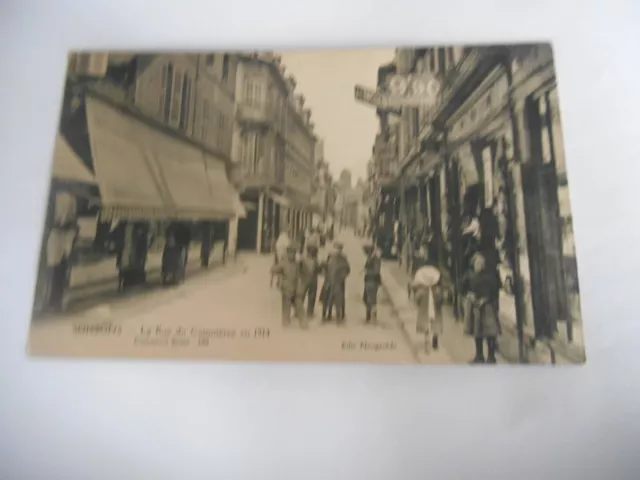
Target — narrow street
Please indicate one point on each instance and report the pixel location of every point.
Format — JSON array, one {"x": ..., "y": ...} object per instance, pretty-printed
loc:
[{"x": 214, "y": 308}]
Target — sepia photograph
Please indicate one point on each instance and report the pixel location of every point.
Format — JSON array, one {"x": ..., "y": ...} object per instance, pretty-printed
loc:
[{"x": 385, "y": 206}]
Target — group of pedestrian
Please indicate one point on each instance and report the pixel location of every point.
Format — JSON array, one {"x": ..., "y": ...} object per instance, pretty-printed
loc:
[{"x": 297, "y": 276}]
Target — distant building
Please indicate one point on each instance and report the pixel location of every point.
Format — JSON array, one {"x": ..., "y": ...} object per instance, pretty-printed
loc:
[
  {"x": 345, "y": 181},
  {"x": 275, "y": 147}
]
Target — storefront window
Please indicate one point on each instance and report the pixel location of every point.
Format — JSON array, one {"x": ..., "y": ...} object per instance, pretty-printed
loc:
[
  {"x": 487, "y": 165},
  {"x": 556, "y": 132}
]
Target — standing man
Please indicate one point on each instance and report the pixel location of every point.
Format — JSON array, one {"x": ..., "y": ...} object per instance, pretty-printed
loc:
[
  {"x": 310, "y": 268},
  {"x": 337, "y": 271},
  {"x": 372, "y": 282},
  {"x": 291, "y": 287}
]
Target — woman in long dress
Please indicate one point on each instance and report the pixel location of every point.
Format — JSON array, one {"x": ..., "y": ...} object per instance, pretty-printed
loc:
[{"x": 428, "y": 297}]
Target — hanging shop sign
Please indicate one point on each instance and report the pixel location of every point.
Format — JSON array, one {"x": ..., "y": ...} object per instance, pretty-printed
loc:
[
  {"x": 374, "y": 98},
  {"x": 412, "y": 90}
]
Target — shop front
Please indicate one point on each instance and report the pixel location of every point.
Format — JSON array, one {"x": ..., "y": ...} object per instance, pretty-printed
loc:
[
  {"x": 154, "y": 183},
  {"x": 268, "y": 215},
  {"x": 73, "y": 186},
  {"x": 503, "y": 169}
]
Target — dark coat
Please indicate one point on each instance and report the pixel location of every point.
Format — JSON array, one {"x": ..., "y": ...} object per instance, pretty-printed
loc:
[
  {"x": 372, "y": 280},
  {"x": 480, "y": 312},
  {"x": 336, "y": 270},
  {"x": 309, "y": 270}
]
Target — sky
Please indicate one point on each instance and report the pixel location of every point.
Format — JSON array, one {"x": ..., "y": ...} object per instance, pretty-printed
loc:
[{"x": 327, "y": 80}]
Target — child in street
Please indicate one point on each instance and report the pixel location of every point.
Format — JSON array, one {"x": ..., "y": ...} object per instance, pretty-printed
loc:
[
  {"x": 310, "y": 269},
  {"x": 291, "y": 286},
  {"x": 428, "y": 298}
]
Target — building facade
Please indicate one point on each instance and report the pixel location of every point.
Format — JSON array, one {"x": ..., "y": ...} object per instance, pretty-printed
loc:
[
  {"x": 138, "y": 125},
  {"x": 321, "y": 187},
  {"x": 275, "y": 150},
  {"x": 491, "y": 151},
  {"x": 383, "y": 173}
]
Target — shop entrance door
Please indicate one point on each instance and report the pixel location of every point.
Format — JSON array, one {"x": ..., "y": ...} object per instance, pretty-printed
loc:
[{"x": 544, "y": 240}]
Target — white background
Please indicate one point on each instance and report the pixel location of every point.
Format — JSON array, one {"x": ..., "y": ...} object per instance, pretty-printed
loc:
[{"x": 135, "y": 420}]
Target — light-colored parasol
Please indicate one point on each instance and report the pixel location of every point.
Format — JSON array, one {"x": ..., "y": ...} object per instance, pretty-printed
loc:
[{"x": 426, "y": 277}]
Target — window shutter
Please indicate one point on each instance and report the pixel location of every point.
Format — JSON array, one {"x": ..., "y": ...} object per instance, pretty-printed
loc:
[
  {"x": 177, "y": 98},
  {"x": 163, "y": 86},
  {"x": 185, "y": 102},
  {"x": 205, "y": 120}
]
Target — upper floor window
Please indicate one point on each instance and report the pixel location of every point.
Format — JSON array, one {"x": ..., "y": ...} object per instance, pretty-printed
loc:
[
  {"x": 176, "y": 103},
  {"x": 252, "y": 93},
  {"x": 432, "y": 60},
  {"x": 451, "y": 57},
  {"x": 225, "y": 67},
  {"x": 204, "y": 127},
  {"x": 442, "y": 60},
  {"x": 457, "y": 54},
  {"x": 185, "y": 102},
  {"x": 248, "y": 152},
  {"x": 167, "y": 93},
  {"x": 210, "y": 60},
  {"x": 222, "y": 120}
]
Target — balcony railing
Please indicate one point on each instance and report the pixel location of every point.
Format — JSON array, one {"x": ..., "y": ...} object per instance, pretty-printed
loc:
[{"x": 261, "y": 113}]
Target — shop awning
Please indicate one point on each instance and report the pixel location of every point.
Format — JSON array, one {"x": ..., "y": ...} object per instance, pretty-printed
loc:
[
  {"x": 145, "y": 173},
  {"x": 67, "y": 166}
]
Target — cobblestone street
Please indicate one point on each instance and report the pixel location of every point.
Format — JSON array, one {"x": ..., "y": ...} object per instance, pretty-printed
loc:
[{"x": 214, "y": 306}]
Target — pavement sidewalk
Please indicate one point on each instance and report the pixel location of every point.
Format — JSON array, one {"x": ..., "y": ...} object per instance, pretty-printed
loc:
[
  {"x": 113, "y": 304},
  {"x": 404, "y": 312},
  {"x": 455, "y": 346},
  {"x": 395, "y": 281}
]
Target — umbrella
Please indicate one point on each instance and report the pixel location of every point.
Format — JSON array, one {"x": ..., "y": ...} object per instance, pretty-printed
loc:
[{"x": 426, "y": 277}]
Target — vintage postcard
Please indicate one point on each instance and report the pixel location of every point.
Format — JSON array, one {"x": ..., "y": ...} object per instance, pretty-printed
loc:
[{"x": 390, "y": 206}]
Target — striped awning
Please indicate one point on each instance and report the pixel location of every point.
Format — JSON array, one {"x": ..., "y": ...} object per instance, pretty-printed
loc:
[
  {"x": 147, "y": 174},
  {"x": 67, "y": 166}
]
